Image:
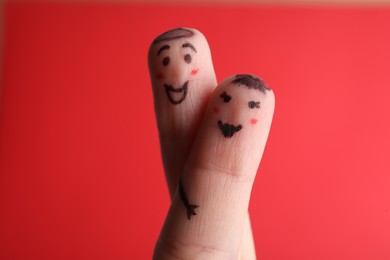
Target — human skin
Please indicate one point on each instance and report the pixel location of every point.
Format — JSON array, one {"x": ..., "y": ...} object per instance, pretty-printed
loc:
[{"x": 197, "y": 148}]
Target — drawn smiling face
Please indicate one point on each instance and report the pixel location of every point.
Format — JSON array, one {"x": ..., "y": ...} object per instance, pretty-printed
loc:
[
  {"x": 176, "y": 63},
  {"x": 234, "y": 102}
]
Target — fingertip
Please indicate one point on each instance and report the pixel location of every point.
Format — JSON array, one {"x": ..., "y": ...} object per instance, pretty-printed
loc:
[
  {"x": 183, "y": 78},
  {"x": 260, "y": 96},
  {"x": 181, "y": 34},
  {"x": 237, "y": 123},
  {"x": 177, "y": 57}
]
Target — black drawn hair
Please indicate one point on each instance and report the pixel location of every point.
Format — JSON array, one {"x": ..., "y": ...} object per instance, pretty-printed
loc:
[
  {"x": 174, "y": 34},
  {"x": 251, "y": 82}
]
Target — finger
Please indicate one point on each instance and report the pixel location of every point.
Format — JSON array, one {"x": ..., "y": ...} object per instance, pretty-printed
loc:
[
  {"x": 183, "y": 79},
  {"x": 247, "y": 250},
  {"x": 209, "y": 209},
  {"x": 178, "y": 115}
]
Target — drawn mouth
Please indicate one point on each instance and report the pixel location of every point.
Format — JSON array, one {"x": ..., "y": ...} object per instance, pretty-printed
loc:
[
  {"x": 176, "y": 95},
  {"x": 228, "y": 130}
]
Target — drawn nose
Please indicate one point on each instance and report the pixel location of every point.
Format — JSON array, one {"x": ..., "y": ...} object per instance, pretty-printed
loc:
[{"x": 179, "y": 75}]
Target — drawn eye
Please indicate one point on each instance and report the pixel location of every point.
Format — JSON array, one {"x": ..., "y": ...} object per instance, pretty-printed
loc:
[
  {"x": 253, "y": 104},
  {"x": 166, "y": 61},
  {"x": 187, "y": 58},
  {"x": 226, "y": 98}
]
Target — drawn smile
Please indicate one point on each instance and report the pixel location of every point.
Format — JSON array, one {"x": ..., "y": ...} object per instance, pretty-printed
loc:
[
  {"x": 176, "y": 95},
  {"x": 228, "y": 130}
]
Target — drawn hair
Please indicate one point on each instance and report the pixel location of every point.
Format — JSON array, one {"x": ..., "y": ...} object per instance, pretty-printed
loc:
[
  {"x": 251, "y": 82},
  {"x": 174, "y": 34}
]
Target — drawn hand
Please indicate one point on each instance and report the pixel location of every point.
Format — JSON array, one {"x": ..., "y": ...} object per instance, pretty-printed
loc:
[{"x": 212, "y": 139}]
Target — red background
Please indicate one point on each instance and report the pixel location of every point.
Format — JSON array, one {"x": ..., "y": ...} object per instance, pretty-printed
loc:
[{"x": 81, "y": 174}]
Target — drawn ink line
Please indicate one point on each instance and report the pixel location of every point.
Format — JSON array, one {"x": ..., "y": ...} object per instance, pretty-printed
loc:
[
  {"x": 228, "y": 130},
  {"x": 165, "y": 47},
  {"x": 174, "y": 34},
  {"x": 226, "y": 98},
  {"x": 182, "y": 92},
  {"x": 190, "y": 207},
  {"x": 254, "y": 104},
  {"x": 251, "y": 82},
  {"x": 189, "y": 45}
]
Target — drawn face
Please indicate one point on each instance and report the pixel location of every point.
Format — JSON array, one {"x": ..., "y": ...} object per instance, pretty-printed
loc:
[
  {"x": 176, "y": 63},
  {"x": 235, "y": 103}
]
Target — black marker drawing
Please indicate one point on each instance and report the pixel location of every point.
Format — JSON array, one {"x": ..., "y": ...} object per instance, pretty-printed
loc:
[
  {"x": 176, "y": 95},
  {"x": 166, "y": 61},
  {"x": 251, "y": 82},
  {"x": 254, "y": 104},
  {"x": 228, "y": 130},
  {"x": 187, "y": 58},
  {"x": 189, "y": 45},
  {"x": 164, "y": 47},
  {"x": 190, "y": 207},
  {"x": 173, "y": 34},
  {"x": 226, "y": 97}
]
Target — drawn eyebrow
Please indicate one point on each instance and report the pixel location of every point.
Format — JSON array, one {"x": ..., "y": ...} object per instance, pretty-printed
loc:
[
  {"x": 165, "y": 47},
  {"x": 189, "y": 45}
]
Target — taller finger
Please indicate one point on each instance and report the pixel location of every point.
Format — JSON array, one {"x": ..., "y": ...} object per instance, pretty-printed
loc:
[{"x": 183, "y": 78}]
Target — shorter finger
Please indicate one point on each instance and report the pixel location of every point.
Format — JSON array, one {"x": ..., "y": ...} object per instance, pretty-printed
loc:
[{"x": 209, "y": 210}]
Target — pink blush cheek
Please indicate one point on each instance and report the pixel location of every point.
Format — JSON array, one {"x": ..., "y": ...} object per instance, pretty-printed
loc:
[
  {"x": 194, "y": 72},
  {"x": 253, "y": 121},
  {"x": 216, "y": 110}
]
